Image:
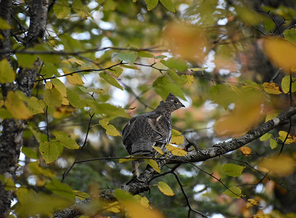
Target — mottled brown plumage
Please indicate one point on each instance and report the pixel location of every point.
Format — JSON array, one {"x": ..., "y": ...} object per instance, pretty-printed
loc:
[{"x": 150, "y": 129}]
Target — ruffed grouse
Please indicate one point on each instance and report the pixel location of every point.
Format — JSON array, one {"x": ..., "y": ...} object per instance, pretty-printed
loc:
[{"x": 150, "y": 129}]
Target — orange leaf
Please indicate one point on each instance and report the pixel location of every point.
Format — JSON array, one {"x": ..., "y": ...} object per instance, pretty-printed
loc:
[
  {"x": 244, "y": 116},
  {"x": 281, "y": 166},
  {"x": 281, "y": 52},
  {"x": 246, "y": 151},
  {"x": 188, "y": 41}
]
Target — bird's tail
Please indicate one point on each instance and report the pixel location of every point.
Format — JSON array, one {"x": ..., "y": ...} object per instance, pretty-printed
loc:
[{"x": 143, "y": 148}]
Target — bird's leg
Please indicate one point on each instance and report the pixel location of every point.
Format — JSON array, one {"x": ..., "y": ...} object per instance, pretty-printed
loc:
[{"x": 135, "y": 170}]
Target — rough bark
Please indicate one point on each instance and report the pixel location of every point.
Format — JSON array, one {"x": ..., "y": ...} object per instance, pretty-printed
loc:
[{"x": 12, "y": 133}]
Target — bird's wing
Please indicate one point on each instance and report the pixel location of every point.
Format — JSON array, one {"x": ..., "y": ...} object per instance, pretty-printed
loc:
[{"x": 144, "y": 131}]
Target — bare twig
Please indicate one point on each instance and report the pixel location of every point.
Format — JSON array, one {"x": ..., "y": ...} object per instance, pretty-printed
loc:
[{"x": 80, "y": 150}]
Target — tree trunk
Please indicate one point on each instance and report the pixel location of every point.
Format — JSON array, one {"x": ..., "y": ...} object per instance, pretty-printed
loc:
[{"x": 12, "y": 133}]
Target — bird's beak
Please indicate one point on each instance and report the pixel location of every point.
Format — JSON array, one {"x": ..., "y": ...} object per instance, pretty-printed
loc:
[{"x": 182, "y": 105}]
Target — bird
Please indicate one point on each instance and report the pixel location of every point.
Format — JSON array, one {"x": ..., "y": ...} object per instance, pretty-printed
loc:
[{"x": 153, "y": 128}]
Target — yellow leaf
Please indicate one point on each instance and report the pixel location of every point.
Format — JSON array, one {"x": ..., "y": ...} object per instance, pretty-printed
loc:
[
  {"x": 16, "y": 106},
  {"x": 7, "y": 75},
  {"x": 272, "y": 88},
  {"x": 165, "y": 189},
  {"x": 176, "y": 132},
  {"x": 65, "y": 101},
  {"x": 252, "y": 202},
  {"x": 80, "y": 194},
  {"x": 158, "y": 149},
  {"x": 74, "y": 78},
  {"x": 190, "y": 79},
  {"x": 80, "y": 62},
  {"x": 61, "y": 112},
  {"x": 178, "y": 140},
  {"x": 144, "y": 202},
  {"x": 271, "y": 115},
  {"x": 114, "y": 207},
  {"x": 281, "y": 166},
  {"x": 153, "y": 164},
  {"x": 136, "y": 210},
  {"x": 246, "y": 150},
  {"x": 281, "y": 52},
  {"x": 290, "y": 139},
  {"x": 175, "y": 150},
  {"x": 110, "y": 129},
  {"x": 126, "y": 160}
]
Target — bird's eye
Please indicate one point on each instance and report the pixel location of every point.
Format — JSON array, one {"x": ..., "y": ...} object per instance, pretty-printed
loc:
[{"x": 176, "y": 102}]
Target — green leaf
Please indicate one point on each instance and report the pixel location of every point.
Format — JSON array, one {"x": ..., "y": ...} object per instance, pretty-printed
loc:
[
  {"x": 26, "y": 60},
  {"x": 80, "y": 8},
  {"x": 165, "y": 189},
  {"x": 273, "y": 144},
  {"x": 176, "y": 63},
  {"x": 4, "y": 114},
  {"x": 116, "y": 71},
  {"x": 50, "y": 151},
  {"x": 110, "y": 110},
  {"x": 74, "y": 99},
  {"x": 168, "y": 4},
  {"x": 111, "y": 80},
  {"x": 29, "y": 152},
  {"x": 265, "y": 137},
  {"x": 61, "y": 9},
  {"x": 290, "y": 35},
  {"x": 163, "y": 86},
  {"x": 49, "y": 70},
  {"x": 233, "y": 169},
  {"x": 7, "y": 182},
  {"x": 65, "y": 140},
  {"x": 51, "y": 58},
  {"x": 41, "y": 204},
  {"x": 286, "y": 84},
  {"x": 145, "y": 54},
  {"x": 35, "y": 106},
  {"x": 129, "y": 57},
  {"x": 122, "y": 195},
  {"x": 4, "y": 25},
  {"x": 60, "y": 86},
  {"x": 35, "y": 168},
  {"x": 52, "y": 97},
  {"x": 151, "y": 4},
  {"x": 109, "y": 5},
  {"x": 60, "y": 189},
  {"x": 7, "y": 75},
  {"x": 175, "y": 77},
  {"x": 233, "y": 192},
  {"x": 222, "y": 95}
]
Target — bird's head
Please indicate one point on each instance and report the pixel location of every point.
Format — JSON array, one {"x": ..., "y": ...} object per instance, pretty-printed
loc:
[{"x": 173, "y": 102}]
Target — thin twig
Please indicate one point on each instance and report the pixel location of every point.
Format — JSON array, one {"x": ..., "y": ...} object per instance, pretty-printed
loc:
[{"x": 80, "y": 150}]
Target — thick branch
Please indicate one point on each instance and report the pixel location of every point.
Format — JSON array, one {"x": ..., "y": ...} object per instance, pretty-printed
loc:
[
  {"x": 137, "y": 186},
  {"x": 218, "y": 149}
]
